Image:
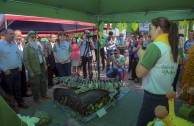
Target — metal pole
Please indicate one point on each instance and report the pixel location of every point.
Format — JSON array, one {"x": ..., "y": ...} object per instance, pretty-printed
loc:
[
  {"x": 98, "y": 53},
  {"x": 5, "y": 24}
]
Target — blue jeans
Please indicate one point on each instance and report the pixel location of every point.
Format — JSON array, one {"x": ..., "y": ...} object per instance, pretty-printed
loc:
[
  {"x": 64, "y": 69},
  {"x": 114, "y": 72}
]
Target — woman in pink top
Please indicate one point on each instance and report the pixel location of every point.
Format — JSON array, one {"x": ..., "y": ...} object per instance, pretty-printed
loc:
[{"x": 75, "y": 56}]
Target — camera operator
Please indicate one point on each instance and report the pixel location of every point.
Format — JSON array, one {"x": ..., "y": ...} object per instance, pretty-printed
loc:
[
  {"x": 110, "y": 46},
  {"x": 86, "y": 54},
  {"x": 118, "y": 65}
]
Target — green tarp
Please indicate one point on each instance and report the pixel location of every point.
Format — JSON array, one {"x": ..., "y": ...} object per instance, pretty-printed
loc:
[{"x": 101, "y": 10}]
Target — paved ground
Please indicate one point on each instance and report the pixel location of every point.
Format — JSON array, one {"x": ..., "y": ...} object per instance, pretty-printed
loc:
[{"x": 124, "y": 113}]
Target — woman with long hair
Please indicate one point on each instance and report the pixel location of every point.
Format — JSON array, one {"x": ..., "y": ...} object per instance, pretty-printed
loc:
[
  {"x": 75, "y": 56},
  {"x": 62, "y": 53},
  {"x": 158, "y": 68}
]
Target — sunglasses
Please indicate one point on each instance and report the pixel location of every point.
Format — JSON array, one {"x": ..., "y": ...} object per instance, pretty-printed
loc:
[
  {"x": 33, "y": 37},
  {"x": 115, "y": 53}
]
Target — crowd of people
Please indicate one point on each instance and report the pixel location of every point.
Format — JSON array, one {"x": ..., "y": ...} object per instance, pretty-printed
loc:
[{"x": 31, "y": 62}]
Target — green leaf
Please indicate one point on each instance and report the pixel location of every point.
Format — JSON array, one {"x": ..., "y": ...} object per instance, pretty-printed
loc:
[
  {"x": 176, "y": 22},
  {"x": 114, "y": 25},
  {"x": 120, "y": 27},
  {"x": 135, "y": 26},
  {"x": 129, "y": 28},
  {"x": 101, "y": 26},
  {"x": 96, "y": 24},
  {"x": 125, "y": 25}
]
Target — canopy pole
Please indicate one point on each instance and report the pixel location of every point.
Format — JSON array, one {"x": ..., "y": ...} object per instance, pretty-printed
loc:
[
  {"x": 93, "y": 30},
  {"x": 185, "y": 30},
  {"x": 98, "y": 52},
  {"x": 5, "y": 24}
]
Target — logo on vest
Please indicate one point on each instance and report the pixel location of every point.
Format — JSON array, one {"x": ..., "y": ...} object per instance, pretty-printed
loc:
[{"x": 168, "y": 70}]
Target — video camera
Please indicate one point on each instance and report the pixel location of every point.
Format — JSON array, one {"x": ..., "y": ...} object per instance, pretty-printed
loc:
[{"x": 88, "y": 34}]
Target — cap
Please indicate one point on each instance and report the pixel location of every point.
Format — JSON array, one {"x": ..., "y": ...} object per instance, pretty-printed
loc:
[
  {"x": 30, "y": 33},
  {"x": 44, "y": 40}
]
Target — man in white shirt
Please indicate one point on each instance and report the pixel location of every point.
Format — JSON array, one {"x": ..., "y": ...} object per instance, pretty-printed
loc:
[{"x": 20, "y": 44}]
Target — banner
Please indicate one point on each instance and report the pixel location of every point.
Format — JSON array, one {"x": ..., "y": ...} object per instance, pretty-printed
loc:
[{"x": 144, "y": 27}]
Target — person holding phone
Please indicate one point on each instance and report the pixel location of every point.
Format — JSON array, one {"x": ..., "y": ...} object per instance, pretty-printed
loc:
[{"x": 118, "y": 65}]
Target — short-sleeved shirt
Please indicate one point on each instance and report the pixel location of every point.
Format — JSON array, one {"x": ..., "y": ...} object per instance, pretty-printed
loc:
[
  {"x": 86, "y": 49},
  {"x": 121, "y": 42},
  {"x": 9, "y": 56},
  {"x": 62, "y": 50},
  {"x": 120, "y": 60},
  {"x": 110, "y": 41},
  {"x": 187, "y": 46},
  {"x": 162, "y": 69}
]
